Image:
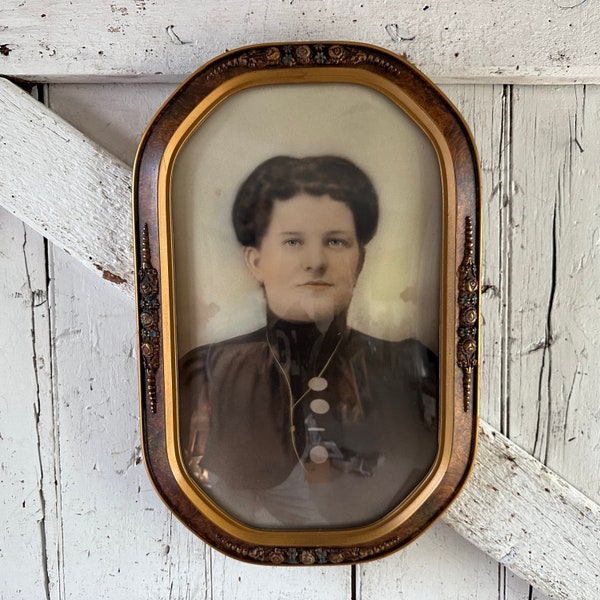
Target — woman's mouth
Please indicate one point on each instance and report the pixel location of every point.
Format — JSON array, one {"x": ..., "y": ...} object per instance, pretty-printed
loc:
[{"x": 317, "y": 283}]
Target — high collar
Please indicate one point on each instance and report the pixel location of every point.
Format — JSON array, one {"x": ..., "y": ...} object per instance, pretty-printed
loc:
[{"x": 305, "y": 345}]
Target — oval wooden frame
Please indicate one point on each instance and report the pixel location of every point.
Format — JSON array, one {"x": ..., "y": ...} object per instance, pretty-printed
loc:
[{"x": 185, "y": 110}]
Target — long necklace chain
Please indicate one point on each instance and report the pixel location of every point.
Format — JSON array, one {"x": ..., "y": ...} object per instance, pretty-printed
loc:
[{"x": 294, "y": 403}]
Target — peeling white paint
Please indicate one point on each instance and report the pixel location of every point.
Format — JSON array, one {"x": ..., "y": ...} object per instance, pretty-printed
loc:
[{"x": 541, "y": 42}]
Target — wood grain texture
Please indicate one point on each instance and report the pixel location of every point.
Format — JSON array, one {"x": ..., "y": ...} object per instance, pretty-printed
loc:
[
  {"x": 487, "y": 109},
  {"x": 113, "y": 116},
  {"x": 51, "y": 173},
  {"x": 539, "y": 271},
  {"x": 532, "y": 521},
  {"x": 159, "y": 40},
  {"x": 28, "y": 438},
  {"x": 439, "y": 564},
  {"x": 555, "y": 330},
  {"x": 118, "y": 540}
]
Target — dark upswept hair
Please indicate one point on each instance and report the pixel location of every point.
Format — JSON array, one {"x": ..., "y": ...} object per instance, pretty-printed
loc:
[{"x": 283, "y": 177}]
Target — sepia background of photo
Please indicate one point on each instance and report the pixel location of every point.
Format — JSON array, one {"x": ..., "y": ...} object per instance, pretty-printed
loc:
[{"x": 397, "y": 294}]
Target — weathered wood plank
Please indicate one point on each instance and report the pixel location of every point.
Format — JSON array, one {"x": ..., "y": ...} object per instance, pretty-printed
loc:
[
  {"x": 65, "y": 186},
  {"x": 555, "y": 331},
  {"x": 487, "y": 109},
  {"x": 30, "y": 520},
  {"x": 539, "y": 42},
  {"x": 114, "y": 116},
  {"x": 234, "y": 580},
  {"x": 439, "y": 564},
  {"x": 118, "y": 539},
  {"x": 529, "y": 519}
]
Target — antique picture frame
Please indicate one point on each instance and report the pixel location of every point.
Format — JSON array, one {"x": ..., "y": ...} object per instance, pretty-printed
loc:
[{"x": 338, "y": 112}]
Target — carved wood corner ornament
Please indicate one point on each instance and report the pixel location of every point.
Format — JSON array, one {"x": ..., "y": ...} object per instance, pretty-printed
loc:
[
  {"x": 468, "y": 302},
  {"x": 149, "y": 306},
  {"x": 307, "y": 221}
]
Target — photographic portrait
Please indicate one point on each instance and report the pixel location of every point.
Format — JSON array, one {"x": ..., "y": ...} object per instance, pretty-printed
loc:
[{"x": 307, "y": 277}]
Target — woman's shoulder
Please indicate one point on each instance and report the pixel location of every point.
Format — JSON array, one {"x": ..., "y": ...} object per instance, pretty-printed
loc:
[
  {"x": 231, "y": 349},
  {"x": 408, "y": 361},
  {"x": 402, "y": 352}
]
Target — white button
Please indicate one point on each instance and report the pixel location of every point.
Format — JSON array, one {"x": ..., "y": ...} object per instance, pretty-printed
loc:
[
  {"x": 319, "y": 406},
  {"x": 317, "y": 384},
  {"x": 319, "y": 454}
]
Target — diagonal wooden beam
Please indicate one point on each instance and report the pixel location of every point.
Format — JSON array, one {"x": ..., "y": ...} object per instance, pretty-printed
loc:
[
  {"x": 78, "y": 196},
  {"x": 65, "y": 186},
  {"x": 529, "y": 519}
]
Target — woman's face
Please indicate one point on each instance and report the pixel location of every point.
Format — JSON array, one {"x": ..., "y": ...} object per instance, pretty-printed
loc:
[{"x": 309, "y": 258}]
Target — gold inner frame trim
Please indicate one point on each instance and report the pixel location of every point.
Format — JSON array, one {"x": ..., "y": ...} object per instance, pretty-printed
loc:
[{"x": 310, "y": 537}]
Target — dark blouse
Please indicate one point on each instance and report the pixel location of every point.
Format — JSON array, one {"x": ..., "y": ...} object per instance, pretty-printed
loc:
[{"x": 377, "y": 430}]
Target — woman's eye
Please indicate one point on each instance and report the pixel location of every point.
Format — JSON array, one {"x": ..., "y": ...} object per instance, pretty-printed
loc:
[
  {"x": 337, "y": 243},
  {"x": 293, "y": 242}
]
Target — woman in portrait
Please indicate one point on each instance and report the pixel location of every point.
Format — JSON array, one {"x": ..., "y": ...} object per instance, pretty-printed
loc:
[{"x": 307, "y": 422}]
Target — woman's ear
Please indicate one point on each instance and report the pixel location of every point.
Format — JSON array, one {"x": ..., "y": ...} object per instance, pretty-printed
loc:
[{"x": 252, "y": 259}]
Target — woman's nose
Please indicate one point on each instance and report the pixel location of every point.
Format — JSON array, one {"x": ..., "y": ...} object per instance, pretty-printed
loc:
[{"x": 314, "y": 258}]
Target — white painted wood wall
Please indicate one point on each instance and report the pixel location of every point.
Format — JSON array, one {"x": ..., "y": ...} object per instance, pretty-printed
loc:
[{"x": 79, "y": 516}]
